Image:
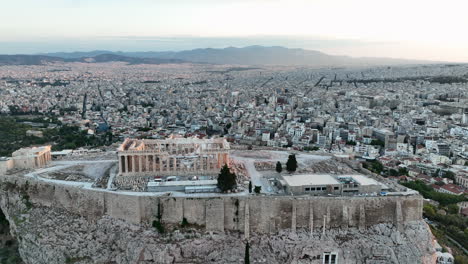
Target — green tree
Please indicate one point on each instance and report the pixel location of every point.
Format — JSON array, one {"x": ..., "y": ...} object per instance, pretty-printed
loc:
[
  {"x": 257, "y": 189},
  {"x": 377, "y": 142},
  {"x": 429, "y": 193},
  {"x": 429, "y": 210},
  {"x": 279, "y": 167},
  {"x": 184, "y": 223},
  {"x": 452, "y": 209},
  {"x": 247, "y": 253},
  {"x": 159, "y": 226},
  {"x": 291, "y": 164},
  {"x": 374, "y": 166},
  {"x": 226, "y": 179},
  {"x": 461, "y": 259},
  {"x": 449, "y": 175},
  {"x": 250, "y": 186},
  {"x": 402, "y": 171}
]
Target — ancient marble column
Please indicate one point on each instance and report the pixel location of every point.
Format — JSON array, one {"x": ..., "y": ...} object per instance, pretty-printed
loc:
[
  {"x": 126, "y": 164},
  {"x": 120, "y": 164},
  {"x": 160, "y": 164},
  {"x": 146, "y": 163},
  {"x": 134, "y": 163},
  {"x": 139, "y": 162}
]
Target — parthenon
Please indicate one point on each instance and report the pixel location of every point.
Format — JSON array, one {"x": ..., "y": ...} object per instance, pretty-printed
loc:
[{"x": 174, "y": 156}]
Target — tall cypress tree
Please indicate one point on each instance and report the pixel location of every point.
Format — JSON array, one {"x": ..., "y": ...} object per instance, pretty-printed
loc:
[
  {"x": 247, "y": 253},
  {"x": 291, "y": 164},
  {"x": 226, "y": 179},
  {"x": 279, "y": 167}
]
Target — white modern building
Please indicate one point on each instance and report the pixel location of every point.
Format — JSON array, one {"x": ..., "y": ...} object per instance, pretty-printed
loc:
[{"x": 323, "y": 184}]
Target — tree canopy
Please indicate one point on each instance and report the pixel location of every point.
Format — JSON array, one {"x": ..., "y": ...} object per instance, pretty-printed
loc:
[
  {"x": 279, "y": 167},
  {"x": 429, "y": 193},
  {"x": 247, "y": 254},
  {"x": 226, "y": 179},
  {"x": 291, "y": 164}
]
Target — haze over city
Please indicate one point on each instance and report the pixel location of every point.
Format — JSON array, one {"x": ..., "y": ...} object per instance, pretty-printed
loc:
[{"x": 425, "y": 30}]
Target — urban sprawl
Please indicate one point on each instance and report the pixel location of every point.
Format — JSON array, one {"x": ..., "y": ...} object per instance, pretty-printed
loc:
[{"x": 409, "y": 117}]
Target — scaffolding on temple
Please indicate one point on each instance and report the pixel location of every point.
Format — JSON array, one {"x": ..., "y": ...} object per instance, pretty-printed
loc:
[{"x": 141, "y": 160}]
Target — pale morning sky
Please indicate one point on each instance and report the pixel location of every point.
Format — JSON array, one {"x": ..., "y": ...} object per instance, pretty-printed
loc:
[{"x": 418, "y": 29}]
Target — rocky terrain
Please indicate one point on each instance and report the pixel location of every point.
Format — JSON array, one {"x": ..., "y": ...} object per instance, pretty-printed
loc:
[
  {"x": 8, "y": 245},
  {"x": 49, "y": 234}
]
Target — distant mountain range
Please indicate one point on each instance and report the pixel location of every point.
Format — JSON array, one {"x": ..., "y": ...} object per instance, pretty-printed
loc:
[
  {"x": 107, "y": 57},
  {"x": 252, "y": 55}
]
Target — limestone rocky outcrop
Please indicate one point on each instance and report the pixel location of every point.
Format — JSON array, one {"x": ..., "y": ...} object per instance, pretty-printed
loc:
[{"x": 53, "y": 234}]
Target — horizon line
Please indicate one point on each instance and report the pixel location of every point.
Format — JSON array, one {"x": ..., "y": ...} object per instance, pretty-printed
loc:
[{"x": 110, "y": 51}]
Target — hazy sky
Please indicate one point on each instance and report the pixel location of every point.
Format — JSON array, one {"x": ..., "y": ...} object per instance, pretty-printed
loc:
[{"x": 420, "y": 29}]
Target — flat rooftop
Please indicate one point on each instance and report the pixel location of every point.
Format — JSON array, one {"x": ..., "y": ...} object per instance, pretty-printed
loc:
[
  {"x": 363, "y": 180},
  {"x": 310, "y": 179}
]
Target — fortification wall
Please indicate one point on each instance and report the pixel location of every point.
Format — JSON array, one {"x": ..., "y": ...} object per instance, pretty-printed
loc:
[{"x": 246, "y": 214}]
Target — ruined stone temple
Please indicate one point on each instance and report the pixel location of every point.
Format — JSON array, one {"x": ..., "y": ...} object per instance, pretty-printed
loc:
[
  {"x": 34, "y": 157},
  {"x": 26, "y": 158},
  {"x": 141, "y": 160}
]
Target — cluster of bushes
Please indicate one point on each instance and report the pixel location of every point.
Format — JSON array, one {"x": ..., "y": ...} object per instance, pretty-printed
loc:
[
  {"x": 71, "y": 137},
  {"x": 311, "y": 148},
  {"x": 399, "y": 172},
  {"x": 159, "y": 226},
  {"x": 452, "y": 223},
  {"x": 428, "y": 192},
  {"x": 375, "y": 166},
  {"x": 377, "y": 142},
  {"x": 13, "y": 136}
]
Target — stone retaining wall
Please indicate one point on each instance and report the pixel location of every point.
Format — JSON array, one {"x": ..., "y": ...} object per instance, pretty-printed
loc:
[{"x": 261, "y": 214}]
